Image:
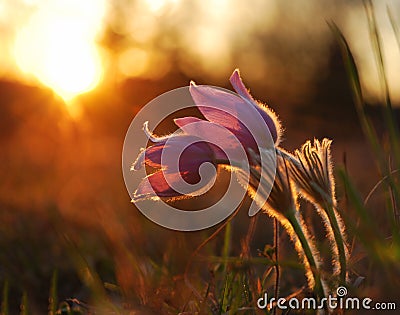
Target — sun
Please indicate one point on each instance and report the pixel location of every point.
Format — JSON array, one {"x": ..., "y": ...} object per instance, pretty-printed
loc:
[{"x": 58, "y": 47}]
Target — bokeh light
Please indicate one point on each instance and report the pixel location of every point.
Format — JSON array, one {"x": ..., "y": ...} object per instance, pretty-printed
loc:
[
  {"x": 57, "y": 45},
  {"x": 58, "y": 42},
  {"x": 358, "y": 35}
]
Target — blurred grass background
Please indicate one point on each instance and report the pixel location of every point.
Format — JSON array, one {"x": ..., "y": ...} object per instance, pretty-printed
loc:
[{"x": 64, "y": 209}]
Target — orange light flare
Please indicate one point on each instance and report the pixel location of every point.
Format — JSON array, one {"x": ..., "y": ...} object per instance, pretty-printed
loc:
[{"x": 58, "y": 47}]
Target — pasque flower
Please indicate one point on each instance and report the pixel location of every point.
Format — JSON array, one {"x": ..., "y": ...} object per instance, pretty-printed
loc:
[
  {"x": 246, "y": 119},
  {"x": 237, "y": 123},
  {"x": 313, "y": 175},
  {"x": 166, "y": 181},
  {"x": 249, "y": 120}
]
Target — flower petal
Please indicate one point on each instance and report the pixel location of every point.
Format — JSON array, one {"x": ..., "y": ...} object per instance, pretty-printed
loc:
[
  {"x": 239, "y": 86},
  {"x": 222, "y": 141},
  {"x": 180, "y": 152},
  {"x": 231, "y": 111},
  {"x": 150, "y": 156},
  {"x": 268, "y": 115},
  {"x": 183, "y": 121},
  {"x": 159, "y": 184},
  {"x": 220, "y": 107},
  {"x": 156, "y": 185}
]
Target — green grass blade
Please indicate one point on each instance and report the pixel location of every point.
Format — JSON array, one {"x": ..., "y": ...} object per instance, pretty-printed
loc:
[
  {"x": 227, "y": 245},
  {"x": 356, "y": 200},
  {"x": 355, "y": 85},
  {"x": 380, "y": 62},
  {"x": 4, "y": 302},
  {"x": 366, "y": 231},
  {"x": 366, "y": 124},
  {"x": 227, "y": 292},
  {"x": 24, "y": 304},
  {"x": 225, "y": 302},
  {"x": 53, "y": 294}
]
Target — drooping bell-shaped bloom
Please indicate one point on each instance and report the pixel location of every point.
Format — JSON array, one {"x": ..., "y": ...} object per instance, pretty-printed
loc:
[
  {"x": 177, "y": 160},
  {"x": 236, "y": 125},
  {"x": 246, "y": 118}
]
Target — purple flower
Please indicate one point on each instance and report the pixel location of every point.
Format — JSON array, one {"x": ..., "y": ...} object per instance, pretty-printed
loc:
[
  {"x": 236, "y": 123},
  {"x": 176, "y": 160},
  {"x": 234, "y": 112}
]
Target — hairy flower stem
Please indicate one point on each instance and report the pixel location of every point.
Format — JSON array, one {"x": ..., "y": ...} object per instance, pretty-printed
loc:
[
  {"x": 309, "y": 254},
  {"x": 340, "y": 243}
]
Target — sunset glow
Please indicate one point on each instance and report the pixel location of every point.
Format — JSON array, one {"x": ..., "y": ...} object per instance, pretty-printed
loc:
[
  {"x": 57, "y": 46},
  {"x": 55, "y": 43},
  {"x": 156, "y": 5}
]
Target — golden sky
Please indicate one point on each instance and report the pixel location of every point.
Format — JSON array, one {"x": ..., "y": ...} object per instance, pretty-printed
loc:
[{"x": 71, "y": 46}]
